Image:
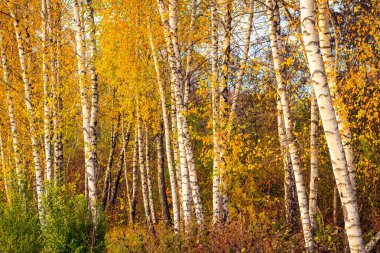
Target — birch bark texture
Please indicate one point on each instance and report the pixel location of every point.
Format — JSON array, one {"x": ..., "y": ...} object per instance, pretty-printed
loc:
[
  {"x": 165, "y": 116},
  {"x": 86, "y": 113},
  {"x": 330, "y": 125},
  {"x": 11, "y": 114},
  {"x": 314, "y": 174},
  {"x": 143, "y": 177},
  {"x": 328, "y": 61},
  {"x": 276, "y": 46},
  {"x": 31, "y": 113}
]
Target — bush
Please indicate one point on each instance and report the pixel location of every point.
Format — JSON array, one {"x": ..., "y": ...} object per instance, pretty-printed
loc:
[
  {"x": 69, "y": 226},
  {"x": 19, "y": 227}
]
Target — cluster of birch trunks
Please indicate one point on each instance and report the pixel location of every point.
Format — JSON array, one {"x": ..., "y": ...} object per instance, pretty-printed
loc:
[{"x": 174, "y": 140}]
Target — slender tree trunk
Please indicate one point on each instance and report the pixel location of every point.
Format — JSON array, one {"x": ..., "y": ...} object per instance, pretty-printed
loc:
[
  {"x": 143, "y": 176},
  {"x": 134, "y": 179},
  {"x": 5, "y": 172},
  {"x": 224, "y": 108},
  {"x": 107, "y": 179},
  {"x": 94, "y": 94},
  {"x": 175, "y": 66},
  {"x": 182, "y": 125},
  {"x": 149, "y": 177},
  {"x": 57, "y": 98},
  {"x": 87, "y": 117},
  {"x": 47, "y": 92},
  {"x": 165, "y": 116},
  {"x": 289, "y": 184},
  {"x": 11, "y": 114},
  {"x": 122, "y": 162},
  {"x": 328, "y": 60},
  {"x": 31, "y": 114},
  {"x": 276, "y": 46},
  {"x": 313, "y": 163},
  {"x": 372, "y": 244},
  {"x": 161, "y": 180},
  {"x": 330, "y": 125},
  {"x": 335, "y": 206},
  {"x": 216, "y": 197}
]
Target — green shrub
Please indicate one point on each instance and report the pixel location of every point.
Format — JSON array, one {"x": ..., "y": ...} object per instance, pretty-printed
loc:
[
  {"x": 69, "y": 226},
  {"x": 19, "y": 227}
]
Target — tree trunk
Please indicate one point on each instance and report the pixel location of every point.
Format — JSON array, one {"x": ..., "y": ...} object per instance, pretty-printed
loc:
[
  {"x": 5, "y": 172},
  {"x": 135, "y": 179},
  {"x": 223, "y": 107},
  {"x": 161, "y": 180},
  {"x": 335, "y": 206},
  {"x": 149, "y": 177},
  {"x": 313, "y": 163},
  {"x": 57, "y": 98},
  {"x": 328, "y": 60},
  {"x": 107, "y": 179},
  {"x": 330, "y": 125},
  {"x": 87, "y": 129},
  {"x": 175, "y": 66},
  {"x": 165, "y": 116},
  {"x": 289, "y": 184},
  {"x": 21, "y": 180},
  {"x": 94, "y": 98},
  {"x": 143, "y": 177},
  {"x": 216, "y": 197},
  {"x": 31, "y": 115},
  {"x": 276, "y": 46},
  {"x": 122, "y": 162},
  {"x": 47, "y": 93}
]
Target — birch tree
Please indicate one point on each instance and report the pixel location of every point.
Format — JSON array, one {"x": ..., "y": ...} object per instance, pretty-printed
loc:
[
  {"x": 168, "y": 149},
  {"x": 143, "y": 177},
  {"x": 87, "y": 121},
  {"x": 161, "y": 180},
  {"x": 313, "y": 163},
  {"x": 329, "y": 66},
  {"x": 276, "y": 46},
  {"x": 149, "y": 177},
  {"x": 31, "y": 112},
  {"x": 330, "y": 125},
  {"x": 47, "y": 93},
  {"x": 11, "y": 114}
]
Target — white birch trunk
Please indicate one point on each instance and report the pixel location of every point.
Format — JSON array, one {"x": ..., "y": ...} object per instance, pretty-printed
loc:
[
  {"x": 216, "y": 197},
  {"x": 149, "y": 178},
  {"x": 169, "y": 155},
  {"x": 223, "y": 107},
  {"x": 94, "y": 102},
  {"x": 31, "y": 115},
  {"x": 289, "y": 184},
  {"x": 181, "y": 111},
  {"x": 328, "y": 60},
  {"x": 135, "y": 179},
  {"x": 144, "y": 186},
  {"x": 57, "y": 109},
  {"x": 176, "y": 79},
  {"x": 11, "y": 114},
  {"x": 47, "y": 93},
  {"x": 5, "y": 172},
  {"x": 86, "y": 116},
  {"x": 276, "y": 46},
  {"x": 313, "y": 163},
  {"x": 330, "y": 125}
]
